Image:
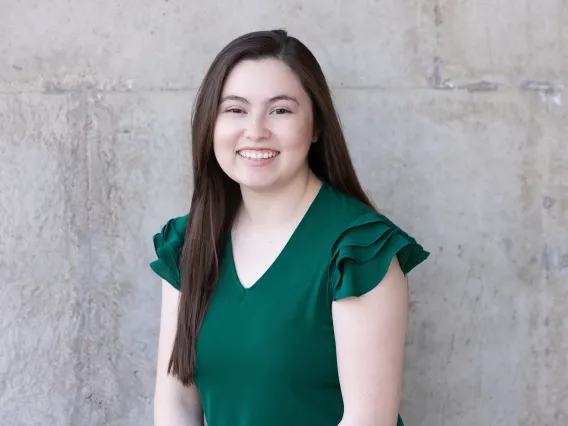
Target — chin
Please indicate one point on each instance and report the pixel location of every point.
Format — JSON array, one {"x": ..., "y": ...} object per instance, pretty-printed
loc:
[
  {"x": 256, "y": 185},
  {"x": 258, "y": 182}
]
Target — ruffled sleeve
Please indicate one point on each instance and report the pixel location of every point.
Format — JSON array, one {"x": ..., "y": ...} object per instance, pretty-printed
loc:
[
  {"x": 363, "y": 252},
  {"x": 168, "y": 244}
]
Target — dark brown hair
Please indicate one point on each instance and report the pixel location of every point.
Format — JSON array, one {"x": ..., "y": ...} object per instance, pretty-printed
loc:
[{"x": 216, "y": 197}]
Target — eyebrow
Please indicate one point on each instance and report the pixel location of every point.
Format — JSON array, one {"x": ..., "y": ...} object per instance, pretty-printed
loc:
[{"x": 270, "y": 101}]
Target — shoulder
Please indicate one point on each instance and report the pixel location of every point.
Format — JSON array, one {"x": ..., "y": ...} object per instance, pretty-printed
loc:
[
  {"x": 168, "y": 244},
  {"x": 341, "y": 208}
]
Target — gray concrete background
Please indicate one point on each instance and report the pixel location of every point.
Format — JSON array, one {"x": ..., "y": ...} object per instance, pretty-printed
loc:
[{"x": 454, "y": 115}]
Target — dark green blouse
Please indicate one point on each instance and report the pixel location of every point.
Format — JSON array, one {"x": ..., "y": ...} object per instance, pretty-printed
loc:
[{"x": 266, "y": 355}]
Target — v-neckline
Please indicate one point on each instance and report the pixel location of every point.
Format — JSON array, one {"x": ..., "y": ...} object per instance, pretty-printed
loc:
[{"x": 282, "y": 253}]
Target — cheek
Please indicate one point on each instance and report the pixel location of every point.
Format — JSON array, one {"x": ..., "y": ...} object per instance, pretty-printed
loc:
[
  {"x": 297, "y": 136},
  {"x": 224, "y": 137}
]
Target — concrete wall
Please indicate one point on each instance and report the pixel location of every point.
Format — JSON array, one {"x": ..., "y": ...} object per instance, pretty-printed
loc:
[{"x": 453, "y": 111}]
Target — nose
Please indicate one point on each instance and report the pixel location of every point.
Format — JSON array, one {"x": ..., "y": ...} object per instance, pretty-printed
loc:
[{"x": 255, "y": 128}]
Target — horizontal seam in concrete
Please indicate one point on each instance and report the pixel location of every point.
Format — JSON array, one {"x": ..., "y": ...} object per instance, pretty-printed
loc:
[{"x": 460, "y": 88}]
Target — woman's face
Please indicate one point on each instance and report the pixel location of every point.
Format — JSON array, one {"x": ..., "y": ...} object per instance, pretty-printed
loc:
[{"x": 264, "y": 128}]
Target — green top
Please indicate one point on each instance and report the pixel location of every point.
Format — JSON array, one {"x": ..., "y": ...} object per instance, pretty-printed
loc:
[{"x": 266, "y": 354}]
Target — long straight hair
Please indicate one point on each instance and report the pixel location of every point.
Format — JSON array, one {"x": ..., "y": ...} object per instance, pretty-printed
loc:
[{"x": 216, "y": 198}]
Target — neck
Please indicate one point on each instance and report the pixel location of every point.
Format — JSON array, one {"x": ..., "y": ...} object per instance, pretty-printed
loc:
[{"x": 279, "y": 206}]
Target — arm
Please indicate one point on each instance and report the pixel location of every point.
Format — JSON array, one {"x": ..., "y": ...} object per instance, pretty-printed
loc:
[
  {"x": 174, "y": 404},
  {"x": 370, "y": 333}
]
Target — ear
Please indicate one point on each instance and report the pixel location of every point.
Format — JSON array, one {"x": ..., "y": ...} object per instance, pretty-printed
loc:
[{"x": 315, "y": 137}]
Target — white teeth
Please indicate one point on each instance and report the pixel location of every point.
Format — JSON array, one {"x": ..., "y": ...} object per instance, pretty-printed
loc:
[{"x": 257, "y": 155}]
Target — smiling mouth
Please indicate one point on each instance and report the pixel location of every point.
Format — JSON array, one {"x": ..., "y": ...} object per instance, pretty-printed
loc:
[{"x": 252, "y": 154}]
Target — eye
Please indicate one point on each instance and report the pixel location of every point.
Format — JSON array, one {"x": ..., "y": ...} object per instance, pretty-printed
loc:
[
  {"x": 279, "y": 111},
  {"x": 235, "y": 110}
]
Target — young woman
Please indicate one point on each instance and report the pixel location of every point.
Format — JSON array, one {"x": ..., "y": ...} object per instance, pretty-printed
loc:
[{"x": 284, "y": 299}]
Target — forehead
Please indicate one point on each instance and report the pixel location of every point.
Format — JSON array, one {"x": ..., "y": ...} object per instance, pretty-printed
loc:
[{"x": 262, "y": 79}]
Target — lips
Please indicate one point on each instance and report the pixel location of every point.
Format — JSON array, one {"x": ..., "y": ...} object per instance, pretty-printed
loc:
[{"x": 257, "y": 154}]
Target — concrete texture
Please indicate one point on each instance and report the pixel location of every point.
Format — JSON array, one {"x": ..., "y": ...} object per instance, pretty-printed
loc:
[{"x": 455, "y": 116}]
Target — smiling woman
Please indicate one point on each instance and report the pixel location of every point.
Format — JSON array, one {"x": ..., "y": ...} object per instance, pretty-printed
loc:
[{"x": 284, "y": 296}]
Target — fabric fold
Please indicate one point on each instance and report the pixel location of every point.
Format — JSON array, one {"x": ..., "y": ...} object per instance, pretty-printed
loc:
[
  {"x": 362, "y": 253},
  {"x": 168, "y": 244}
]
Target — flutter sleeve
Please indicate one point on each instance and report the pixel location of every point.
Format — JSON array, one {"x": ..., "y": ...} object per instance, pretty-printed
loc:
[
  {"x": 168, "y": 244},
  {"x": 362, "y": 253}
]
